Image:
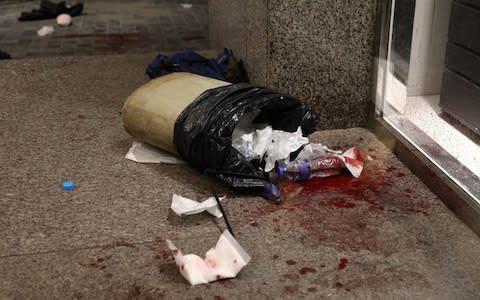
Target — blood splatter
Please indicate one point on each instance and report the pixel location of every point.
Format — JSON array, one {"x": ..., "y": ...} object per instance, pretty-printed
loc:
[
  {"x": 253, "y": 223},
  {"x": 345, "y": 183},
  {"x": 98, "y": 263},
  {"x": 341, "y": 211},
  {"x": 312, "y": 289},
  {"x": 135, "y": 290},
  {"x": 353, "y": 162},
  {"x": 390, "y": 169},
  {"x": 275, "y": 256},
  {"x": 211, "y": 263},
  {"x": 227, "y": 283},
  {"x": 82, "y": 117},
  {"x": 361, "y": 225},
  {"x": 291, "y": 262},
  {"x": 163, "y": 255},
  {"x": 342, "y": 263},
  {"x": 218, "y": 297},
  {"x": 291, "y": 289},
  {"x": 291, "y": 276},
  {"x": 338, "y": 203},
  {"x": 175, "y": 252},
  {"x": 339, "y": 285},
  {"x": 359, "y": 154},
  {"x": 306, "y": 270},
  {"x": 401, "y": 174}
]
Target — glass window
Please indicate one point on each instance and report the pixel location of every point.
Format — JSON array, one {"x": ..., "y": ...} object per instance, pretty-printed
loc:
[{"x": 430, "y": 82}]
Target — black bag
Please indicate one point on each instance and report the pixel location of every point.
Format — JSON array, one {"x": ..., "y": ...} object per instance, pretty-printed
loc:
[{"x": 203, "y": 131}]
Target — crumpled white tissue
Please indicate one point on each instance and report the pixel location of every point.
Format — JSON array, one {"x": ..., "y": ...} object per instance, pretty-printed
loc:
[
  {"x": 144, "y": 153},
  {"x": 271, "y": 145},
  {"x": 45, "y": 30},
  {"x": 226, "y": 260},
  {"x": 183, "y": 206}
]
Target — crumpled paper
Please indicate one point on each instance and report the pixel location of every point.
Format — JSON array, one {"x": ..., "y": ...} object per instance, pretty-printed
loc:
[
  {"x": 45, "y": 30},
  {"x": 226, "y": 260},
  {"x": 354, "y": 159},
  {"x": 144, "y": 153},
  {"x": 183, "y": 206}
]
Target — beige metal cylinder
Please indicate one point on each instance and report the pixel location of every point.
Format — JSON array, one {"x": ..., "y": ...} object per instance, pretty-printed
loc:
[{"x": 149, "y": 114}]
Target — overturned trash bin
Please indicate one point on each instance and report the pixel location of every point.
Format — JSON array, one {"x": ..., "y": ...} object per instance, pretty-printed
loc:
[{"x": 194, "y": 116}]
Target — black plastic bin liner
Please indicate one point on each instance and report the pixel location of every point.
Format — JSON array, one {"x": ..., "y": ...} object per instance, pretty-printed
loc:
[{"x": 203, "y": 131}]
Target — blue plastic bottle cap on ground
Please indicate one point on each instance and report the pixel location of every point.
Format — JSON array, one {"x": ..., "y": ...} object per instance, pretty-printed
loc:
[{"x": 68, "y": 185}]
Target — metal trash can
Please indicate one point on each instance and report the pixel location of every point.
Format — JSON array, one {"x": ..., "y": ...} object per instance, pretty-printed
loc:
[{"x": 149, "y": 114}]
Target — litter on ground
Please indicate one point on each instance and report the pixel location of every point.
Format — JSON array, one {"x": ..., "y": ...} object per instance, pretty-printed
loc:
[
  {"x": 45, "y": 30},
  {"x": 147, "y": 154},
  {"x": 184, "y": 206},
  {"x": 226, "y": 260}
]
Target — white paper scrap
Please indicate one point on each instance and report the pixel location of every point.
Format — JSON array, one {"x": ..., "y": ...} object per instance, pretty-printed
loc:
[
  {"x": 45, "y": 30},
  {"x": 183, "y": 206},
  {"x": 354, "y": 159},
  {"x": 226, "y": 260},
  {"x": 144, "y": 153}
]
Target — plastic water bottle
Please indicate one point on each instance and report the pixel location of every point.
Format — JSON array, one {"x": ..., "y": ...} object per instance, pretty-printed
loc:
[
  {"x": 305, "y": 173},
  {"x": 328, "y": 162}
]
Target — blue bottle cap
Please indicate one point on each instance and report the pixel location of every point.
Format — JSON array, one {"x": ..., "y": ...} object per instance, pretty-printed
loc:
[
  {"x": 281, "y": 170},
  {"x": 271, "y": 192},
  {"x": 68, "y": 185}
]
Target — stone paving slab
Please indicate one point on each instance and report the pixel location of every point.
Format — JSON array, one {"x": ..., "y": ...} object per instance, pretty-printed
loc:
[{"x": 381, "y": 236}]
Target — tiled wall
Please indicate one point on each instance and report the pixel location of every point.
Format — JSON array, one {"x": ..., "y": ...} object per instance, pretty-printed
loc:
[{"x": 319, "y": 51}]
